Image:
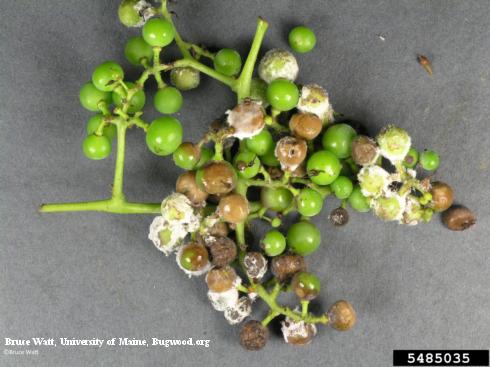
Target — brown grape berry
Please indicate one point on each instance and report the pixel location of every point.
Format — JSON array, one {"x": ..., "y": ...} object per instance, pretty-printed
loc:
[
  {"x": 223, "y": 250},
  {"x": 285, "y": 266},
  {"x": 247, "y": 119},
  {"x": 291, "y": 152},
  {"x": 342, "y": 316},
  {"x": 339, "y": 217},
  {"x": 194, "y": 257},
  {"x": 253, "y": 335},
  {"x": 217, "y": 178},
  {"x": 186, "y": 184},
  {"x": 305, "y": 125},
  {"x": 458, "y": 218},
  {"x": 442, "y": 196},
  {"x": 221, "y": 279},
  {"x": 234, "y": 208},
  {"x": 365, "y": 151},
  {"x": 255, "y": 265}
]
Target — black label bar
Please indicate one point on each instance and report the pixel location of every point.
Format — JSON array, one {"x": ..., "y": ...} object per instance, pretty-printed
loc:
[{"x": 440, "y": 358}]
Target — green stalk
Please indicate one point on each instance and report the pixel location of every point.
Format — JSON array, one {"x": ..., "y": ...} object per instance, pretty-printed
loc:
[
  {"x": 229, "y": 81},
  {"x": 117, "y": 187},
  {"x": 178, "y": 40},
  {"x": 245, "y": 79}
]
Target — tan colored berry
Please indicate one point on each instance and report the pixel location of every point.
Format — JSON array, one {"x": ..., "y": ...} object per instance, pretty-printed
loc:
[
  {"x": 365, "y": 151},
  {"x": 285, "y": 266},
  {"x": 217, "y": 178},
  {"x": 342, "y": 315},
  {"x": 458, "y": 218},
  {"x": 223, "y": 250},
  {"x": 186, "y": 184},
  {"x": 442, "y": 196},
  {"x": 291, "y": 152},
  {"x": 234, "y": 208},
  {"x": 221, "y": 279},
  {"x": 305, "y": 125}
]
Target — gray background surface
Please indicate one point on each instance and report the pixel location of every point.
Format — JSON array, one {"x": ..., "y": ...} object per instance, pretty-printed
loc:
[{"x": 96, "y": 275}]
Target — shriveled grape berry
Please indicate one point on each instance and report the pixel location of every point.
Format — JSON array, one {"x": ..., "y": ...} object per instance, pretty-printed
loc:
[
  {"x": 285, "y": 266},
  {"x": 411, "y": 159},
  {"x": 339, "y": 217},
  {"x": 342, "y": 316},
  {"x": 364, "y": 150},
  {"x": 217, "y": 177},
  {"x": 253, "y": 335},
  {"x": 234, "y": 208},
  {"x": 458, "y": 218},
  {"x": 290, "y": 152},
  {"x": 222, "y": 249},
  {"x": 255, "y": 265}
]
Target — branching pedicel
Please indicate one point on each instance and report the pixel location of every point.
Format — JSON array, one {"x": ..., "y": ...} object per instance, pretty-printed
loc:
[{"x": 279, "y": 138}]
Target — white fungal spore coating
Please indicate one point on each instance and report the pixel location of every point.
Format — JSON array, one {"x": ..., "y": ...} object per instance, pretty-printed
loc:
[
  {"x": 314, "y": 99},
  {"x": 292, "y": 331},
  {"x": 228, "y": 299},
  {"x": 236, "y": 314},
  {"x": 374, "y": 181},
  {"x": 247, "y": 119},
  {"x": 389, "y": 208},
  {"x": 276, "y": 64},
  {"x": 394, "y": 143},
  {"x": 413, "y": 212},
  {"x": 167, "y": 237},
  {"x": 177, "y": 208}
]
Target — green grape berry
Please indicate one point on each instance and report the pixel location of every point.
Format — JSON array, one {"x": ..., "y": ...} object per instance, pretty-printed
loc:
[
  {"x": 137, "y": 50},
  {"x": 342, "y": 187},
  {"x": 228, "y": 62},
  {"x": 106, "y": 75},
  {"x": 185, "y": 78},
  {"x": 168, "y": 100},
  {"x": 261, "y": 143},
  {"x": 306, "y": 285},
  {"x": 276, "y": 199},
  {"x": 158, "y": 32},
  {"x": 90, "y": 97},
  {"x": 303, "y": 238},
  {"x": 137, "y": 101},
  {"x": 323, "y": 167},
  {"x": 309, "y": 202},
  {"x": 96, "y": 147},
  {"x": 302, "y": 39},
  {"x": 411, "y": 159},
  {"x": 273, "y": 243},
  {"x": 270, "y": 159},
  {"x": 429, "y": 160},
  {"x": 338, "y": 140},
  {"x": 94, "y": 122},
  {"x": 187, "y": 156},
  {"x": 247, "y": 164},
  {"x": 358, "y": 201},
  {"x": 282, "y": 94},
  {"x": 164, "y": 135},
  {"x": 128, "y": 13}
]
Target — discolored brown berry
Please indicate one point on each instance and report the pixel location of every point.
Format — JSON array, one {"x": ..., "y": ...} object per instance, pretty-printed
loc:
[
  {"x": 300, "y": 171},
  {"x": 458, "y": 218},
  {"x": 219, "y": 229},
  {"x": 305, "y": 285},
  {"x": 285, "y": 266},
  {"x": 221, "y": 279},
  {"x": 234, "y": 208},
  {"x": 255, "y": 265},
  {"x": 194, "y": 257},
  {"x": 442, "y": 196},
  {"x": 223, "y": 250},
  {"x": 186, "y": 184},
  {"x": 365, "y": 151},
  {"x": 247, "y": 119},
  {"x": 298, "y": 333},
  {"x": 342, "y": 316},
  {"x": 290, "y": 152},
  {"x": 253, "y": 335},
  {"x": 305, "y": 125},
  {"x": 217, "y": 178},
  {"x": 339, "y": 217}
]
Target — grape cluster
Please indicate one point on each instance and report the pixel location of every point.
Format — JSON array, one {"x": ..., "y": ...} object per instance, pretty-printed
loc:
[{"x": 281, "y": 138}]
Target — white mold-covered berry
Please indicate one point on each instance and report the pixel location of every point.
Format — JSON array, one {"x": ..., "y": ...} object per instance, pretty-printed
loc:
[
  {"x": 255, "y": 265},
  {"x": 297, "y": 332},
  {"x": 247, "y": 119},
  {"x": 177, "y": 209},
  {"x": 276, "y": 64},
  {"x": 394, "y": 143},
  {"x": 165, "y": 236},
  {"x": 413, "y": 211},
  {"x": 135, "y": 13},
  {"x": 223, "y": 300},
  {"x": 373, "y": 180},
  {"x": 191, "y": 273},
  {"x": 236, "y": 314},
  {"x": 389, "y": 208},
  {"x": 314, "y": 99}
]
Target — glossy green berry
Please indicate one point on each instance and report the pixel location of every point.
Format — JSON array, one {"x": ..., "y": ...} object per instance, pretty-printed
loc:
[
  {"x": 338, "y": 139},
  {"x": 323, "y": 167},
  {"x": 358, "y": 201},
  {"x": 274, "y": 243},
  {"x": 185, "y": 78},
  {"x": 106, "y": 75},
  {"x": 309, "y": 202},
  {"x": 303, "y": 238},
  {"x": 282, "y": 94},
  {"x": 187, "y": 155},
  {"x": 206, "y": 156},
  {"x": 164, "y": 135},
  {"x": 270, "y": 159},
  {"x": 228, "y": 62},
  {"x": 168, "y": 100},
  {"x": 247, "y": 164},
  {"x": 90, "y": 97},
  {"x": 276, "y": 222},
  {"x": 411, "y": 159},
  {"x": 158, "y": 32},
  {"x": 96, "y": 147},
  {"x": 261, "y": 143},
  {"x": 276, "y": 199},
  {"x": 302, "y": 39},
  {"x": 306, "y": 285},
  {"x": 342, "y": 187},
  {"x": 94, "y": 122},
  {"x": 137, "y": 101},
  {"x": 429, "y": 160},
  {"x": 137, "y": 50}
]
